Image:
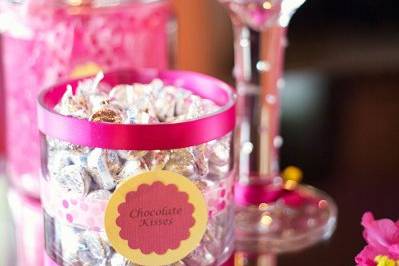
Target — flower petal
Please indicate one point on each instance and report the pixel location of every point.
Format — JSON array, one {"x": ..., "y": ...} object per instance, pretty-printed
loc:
[
  {"x": 394, "y": 251},
  {"x": 380, "y": 234},
  {"x": 366, "y": 257}
]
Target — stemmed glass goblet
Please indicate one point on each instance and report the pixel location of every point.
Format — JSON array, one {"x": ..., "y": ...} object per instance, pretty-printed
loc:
[{"x": 274, "y": 212}]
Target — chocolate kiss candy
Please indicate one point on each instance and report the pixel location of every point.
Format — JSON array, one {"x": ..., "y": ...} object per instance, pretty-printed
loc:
[
  {"x": 93, "y": 248},
  {"x": 219, "y": 153},
  {"x": 74, "y": 179},
  {"x": 73, "y": 105},
  {"x": 201, "y": 159},
  {"x": 156, "y": 160},
  {"x": 182, "y": 162},
  {"x": 119, "y": 260},
  {"x": 132, "y": 168},
  {"x": 104, "y": 166},
  {"x": 131, "y": 155}
]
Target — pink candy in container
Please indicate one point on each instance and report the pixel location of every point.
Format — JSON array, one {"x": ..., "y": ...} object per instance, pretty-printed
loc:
[
  {"x": 138, "y": 169},
  {"x": 45, "y": 41}
]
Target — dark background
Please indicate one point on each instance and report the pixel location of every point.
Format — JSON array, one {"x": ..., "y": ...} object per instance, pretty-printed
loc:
[{"x": 348, "y": 142}]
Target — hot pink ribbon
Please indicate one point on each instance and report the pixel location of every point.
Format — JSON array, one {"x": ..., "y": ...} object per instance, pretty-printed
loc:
[
  {"x": 255, "y": 194},
  {"x": 143, "y": 137}
]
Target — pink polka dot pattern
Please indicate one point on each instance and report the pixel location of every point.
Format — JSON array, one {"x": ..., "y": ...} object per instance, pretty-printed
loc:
[
  {"x": 84, "y": 207},
  {"x": 69, "y": 218},
  {"x": 79, "y": 211},
  {"x": 217, "y": 198},
  {"x": 90, "y": 213}
]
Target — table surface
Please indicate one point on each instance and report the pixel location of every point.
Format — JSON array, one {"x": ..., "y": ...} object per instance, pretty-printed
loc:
[{"x": 343, "y": 132}]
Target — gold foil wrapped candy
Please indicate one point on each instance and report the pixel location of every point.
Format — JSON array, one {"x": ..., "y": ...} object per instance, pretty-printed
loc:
[{"x": 107, "y": 114}]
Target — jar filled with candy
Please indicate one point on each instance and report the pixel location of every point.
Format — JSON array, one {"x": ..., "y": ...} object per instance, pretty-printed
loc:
[
  {"x": 45, "y": 41},
  {"x": 138, "y": 169}
]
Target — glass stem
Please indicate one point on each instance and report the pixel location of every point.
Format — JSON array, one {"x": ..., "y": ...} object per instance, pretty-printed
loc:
[
  {"x": 255, "y": 259},
  {"x": 258, "y": 68}
]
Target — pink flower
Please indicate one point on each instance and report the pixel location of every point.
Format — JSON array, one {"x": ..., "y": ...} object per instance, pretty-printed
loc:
[{"x": 382, "y": 237}]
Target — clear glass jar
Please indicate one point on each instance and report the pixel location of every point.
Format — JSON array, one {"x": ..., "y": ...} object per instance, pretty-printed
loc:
[
  {"x": 29, "y": 238},
  {"x": 75, "y": 211},
  {"x": 44, "y": 42}
]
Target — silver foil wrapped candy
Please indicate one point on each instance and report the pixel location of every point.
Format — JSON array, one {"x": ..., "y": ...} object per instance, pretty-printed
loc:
[
  {"x": 98, "y": 101},
  {"x": 104, "y": 166},
  {"x": 94, "y": 173},
  {"x": 135, "y": 116},
  {"x": 219, "y": 153},
  {"x": 201, "y": 159},
  {"x": 123, "y": 94},
  {"x": 132, "y": 168},
  {"x": 131, "y": 155},
  {"x": 93, "y": 248},
  {"x": 156, "y": 160},
  {"x": 100, "y": 194},
  {"x": 182, "y": 162},
  {"x": 73, "y": 105},
  {"x": 165, "y": 104},
  {"x": 119, "y": 260},
  {"x": 73, "y": 179}
]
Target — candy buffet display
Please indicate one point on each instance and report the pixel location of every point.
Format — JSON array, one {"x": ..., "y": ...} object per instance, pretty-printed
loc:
[
  {"x": 45, "y": 41},
  {"x": 138, "y": 169},
  {"x": 275, "y": 213}
]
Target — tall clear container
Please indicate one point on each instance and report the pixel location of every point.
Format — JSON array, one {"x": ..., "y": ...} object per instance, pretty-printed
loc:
[
  {"x": 275, "y": 213},
  {"x": 158, "y": 192},
  {"x": 45, "y": 41}
]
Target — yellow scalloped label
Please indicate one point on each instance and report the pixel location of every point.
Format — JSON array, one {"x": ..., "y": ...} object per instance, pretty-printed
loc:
[{"x": 156, "y": 218}]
